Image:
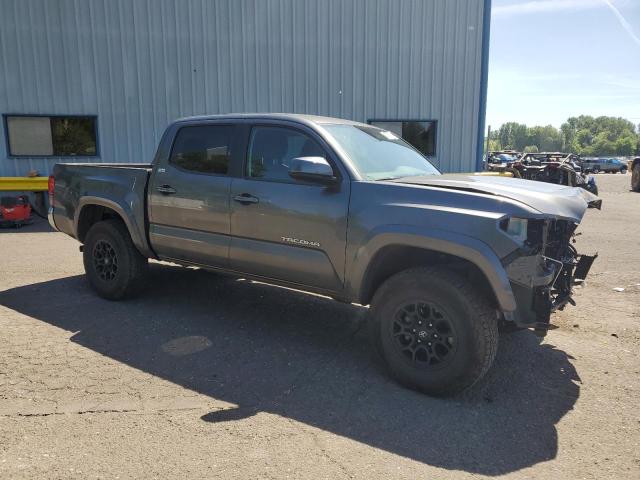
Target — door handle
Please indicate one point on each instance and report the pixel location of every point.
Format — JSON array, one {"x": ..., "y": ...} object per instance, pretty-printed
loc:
[
  {"x": 166, "y": 189},
  {"x": 245, "y": 198}
]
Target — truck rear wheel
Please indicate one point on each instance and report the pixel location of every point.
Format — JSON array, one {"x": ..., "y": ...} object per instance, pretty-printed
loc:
[
  {"x": 113, "y": 265},
  {"x": 435, "y": 332}
]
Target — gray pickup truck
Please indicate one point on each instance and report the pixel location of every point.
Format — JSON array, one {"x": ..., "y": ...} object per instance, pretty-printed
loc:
[
  {"x": 606, "y": 165},
  {"x": 343, "y": 209}
]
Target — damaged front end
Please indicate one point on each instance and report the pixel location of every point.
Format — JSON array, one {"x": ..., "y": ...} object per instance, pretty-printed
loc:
[{"x": 543, "y": 271}]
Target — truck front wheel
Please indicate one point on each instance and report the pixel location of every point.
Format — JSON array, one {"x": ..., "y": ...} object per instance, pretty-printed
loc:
[
  {"x": 113, "y": 265},
  {"x": 436, "y": 333}
]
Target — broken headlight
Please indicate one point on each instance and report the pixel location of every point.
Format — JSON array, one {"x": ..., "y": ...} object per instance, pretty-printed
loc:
[{"x": 516, "y": 228}]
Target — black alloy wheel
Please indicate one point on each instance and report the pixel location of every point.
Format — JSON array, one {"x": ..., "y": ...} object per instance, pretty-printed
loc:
[
  {"x": 434, "y": 330},
  {"x": 424, "y": 334},
  {"x": 113, "y": 265},
  {"x": 105, "y": 260}
]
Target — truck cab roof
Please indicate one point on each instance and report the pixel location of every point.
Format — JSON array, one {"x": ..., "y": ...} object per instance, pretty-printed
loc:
[{"x": 292, "y": 117}]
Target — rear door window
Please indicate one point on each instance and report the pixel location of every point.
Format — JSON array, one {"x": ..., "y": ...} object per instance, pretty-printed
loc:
[{"x": 203, "y": 149}]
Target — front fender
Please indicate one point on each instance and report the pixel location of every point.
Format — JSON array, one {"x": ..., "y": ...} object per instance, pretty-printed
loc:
[{"x": 443, "y": 241}]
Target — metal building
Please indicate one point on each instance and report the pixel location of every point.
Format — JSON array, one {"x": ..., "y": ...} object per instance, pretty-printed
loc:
[{"x": 99, "y": 80}]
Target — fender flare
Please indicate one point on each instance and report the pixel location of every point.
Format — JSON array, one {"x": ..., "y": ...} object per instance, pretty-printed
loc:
[
  {"x": 138, "y": 237},
  {"x": 456, "y": 244}
]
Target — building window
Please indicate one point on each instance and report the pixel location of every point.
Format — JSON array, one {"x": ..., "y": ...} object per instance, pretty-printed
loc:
[
  {"x": 51, "y": 136},
  {"x": 203, "y": 149},
  {"x": 419, "y": 133}
]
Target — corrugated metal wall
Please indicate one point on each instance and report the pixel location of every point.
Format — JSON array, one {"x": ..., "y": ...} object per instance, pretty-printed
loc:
[{"x": 139, "y": 64}]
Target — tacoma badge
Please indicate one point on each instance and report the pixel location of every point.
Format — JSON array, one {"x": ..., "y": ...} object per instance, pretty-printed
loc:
[{"x": 298, "y": 241}]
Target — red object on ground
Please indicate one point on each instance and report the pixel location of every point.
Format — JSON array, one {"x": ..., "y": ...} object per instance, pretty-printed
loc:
[{"x": 15, "y": 209}]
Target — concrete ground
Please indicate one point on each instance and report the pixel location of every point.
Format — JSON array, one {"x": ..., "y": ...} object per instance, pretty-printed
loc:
[{"x": 208, "y": 376}]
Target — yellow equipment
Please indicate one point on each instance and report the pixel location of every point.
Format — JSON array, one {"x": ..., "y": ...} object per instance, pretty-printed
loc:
[{"x": 24, "y": 184}]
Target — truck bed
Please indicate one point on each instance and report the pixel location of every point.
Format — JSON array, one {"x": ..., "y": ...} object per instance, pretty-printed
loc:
[{"x": 121, "y": 187}]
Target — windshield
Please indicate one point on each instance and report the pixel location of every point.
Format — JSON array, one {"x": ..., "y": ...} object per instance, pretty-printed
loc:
[{"x": 379, "y": 154}]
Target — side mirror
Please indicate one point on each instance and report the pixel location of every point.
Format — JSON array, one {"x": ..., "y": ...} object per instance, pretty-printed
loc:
[{"x": 312, "y": 169}]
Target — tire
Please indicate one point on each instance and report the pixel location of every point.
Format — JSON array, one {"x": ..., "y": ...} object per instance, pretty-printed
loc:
[
  {"x": 596, "y": 169},
  {"x": 635, "y": 178},
  {"x": 438, "y": 303},
  {"x": 113, "y": 265},
  {"x": 623, "y": 171}
]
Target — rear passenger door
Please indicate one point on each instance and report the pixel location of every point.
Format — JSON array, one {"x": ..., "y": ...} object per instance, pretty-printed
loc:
[
  {"x": 189, "y": 196},
  {"x": 283, "y": 228}
]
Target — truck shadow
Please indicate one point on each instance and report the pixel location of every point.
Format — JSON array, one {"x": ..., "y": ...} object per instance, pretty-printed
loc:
[{"x": 307, "y": 358}]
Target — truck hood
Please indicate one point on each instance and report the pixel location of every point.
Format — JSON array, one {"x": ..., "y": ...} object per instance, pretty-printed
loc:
[{"x": 547, "y": 198}]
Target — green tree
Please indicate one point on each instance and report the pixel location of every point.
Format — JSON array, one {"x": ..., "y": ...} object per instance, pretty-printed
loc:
[
  {"x": 585, "y": 135},
  {"x": 626, "y": 145},
  {"x": 600, "y": 136},
  {"x": 602, "y": 145},
  {"x": 513, "y": 136},
  {"x": 547, "y": 139},
  {"x": 494, "y": 145}
]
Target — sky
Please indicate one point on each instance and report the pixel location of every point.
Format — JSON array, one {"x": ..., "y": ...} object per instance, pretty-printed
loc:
[{"x": 554, "y": 59}]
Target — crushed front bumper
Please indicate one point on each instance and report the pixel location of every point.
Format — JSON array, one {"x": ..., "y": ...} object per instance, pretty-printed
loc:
[{"x": 543, "y": 283}]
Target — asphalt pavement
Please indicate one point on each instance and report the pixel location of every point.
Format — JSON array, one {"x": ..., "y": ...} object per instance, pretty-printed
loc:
[{"x": 208, "y": 376}]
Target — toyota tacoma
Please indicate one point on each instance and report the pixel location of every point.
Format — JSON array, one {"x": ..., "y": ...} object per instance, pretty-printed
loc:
[{"x": 342, "y": 209}]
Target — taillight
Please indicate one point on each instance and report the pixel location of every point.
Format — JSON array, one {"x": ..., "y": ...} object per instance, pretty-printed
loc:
[{"x": 51, "y": 185}]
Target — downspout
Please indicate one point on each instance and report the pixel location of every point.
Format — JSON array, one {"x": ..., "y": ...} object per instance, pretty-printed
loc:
[{"x": 484, "y": 82}]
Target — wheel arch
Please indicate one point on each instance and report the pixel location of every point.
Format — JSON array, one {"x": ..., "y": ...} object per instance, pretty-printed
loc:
[
  {"x": 394, "y": 259},
  {"x": 95, "y": 209},
  {"x": 392, "y": 253}
]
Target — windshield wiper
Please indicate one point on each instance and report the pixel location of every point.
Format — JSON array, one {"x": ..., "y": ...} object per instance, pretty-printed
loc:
[
  {"x": 391, "y": 179},
  {"x": 386, "y": 179}
]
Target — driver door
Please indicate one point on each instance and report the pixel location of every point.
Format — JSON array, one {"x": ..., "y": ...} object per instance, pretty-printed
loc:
[{"x": 287, "y": 229}]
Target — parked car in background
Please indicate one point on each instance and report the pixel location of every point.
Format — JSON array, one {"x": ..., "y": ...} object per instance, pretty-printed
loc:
[
  {"x": 634, "y": 165},
  {"x": 344, "y": 209},
  {"x": 502, "y": 157},
  {"x": 606, "y": 165}
]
